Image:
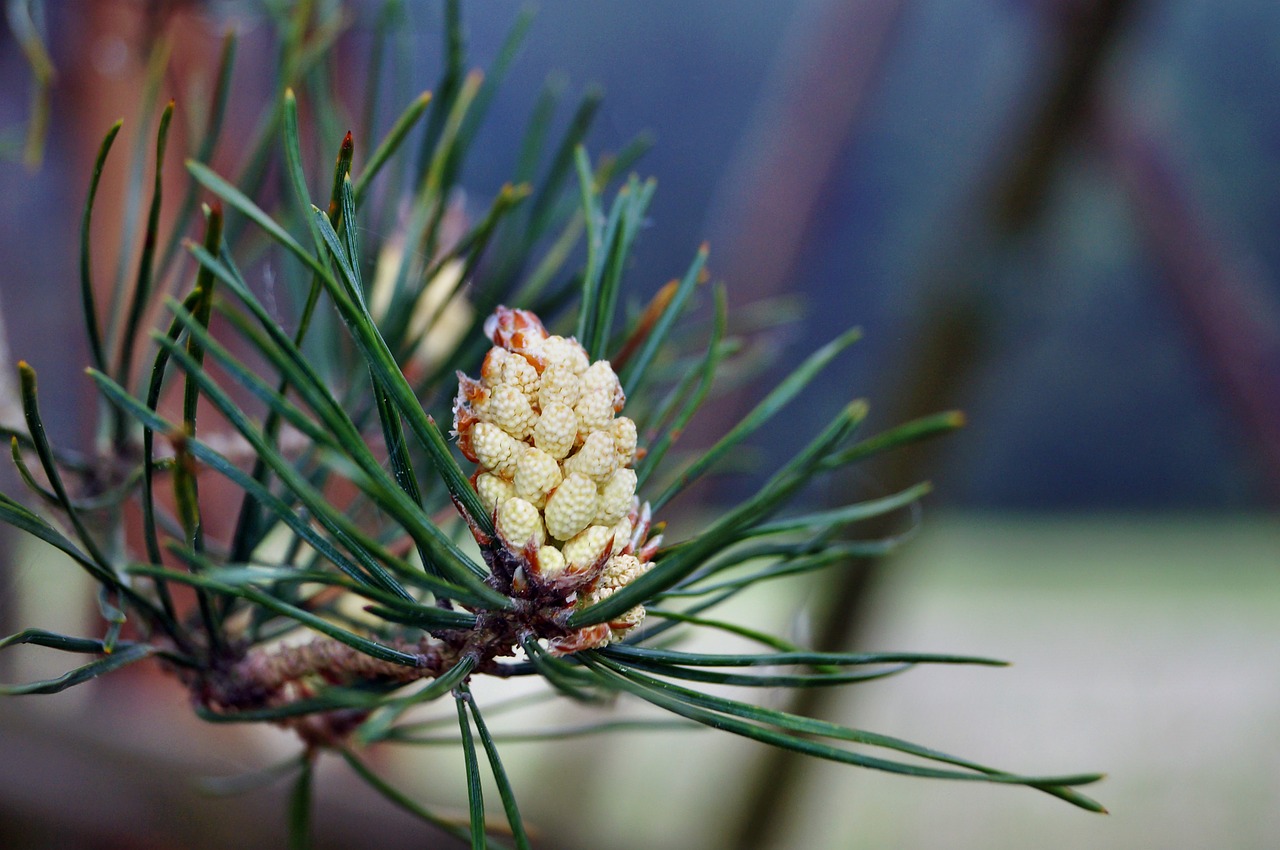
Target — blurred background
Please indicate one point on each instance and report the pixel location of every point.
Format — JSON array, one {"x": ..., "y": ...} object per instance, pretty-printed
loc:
[{"x": 1059, "y": 216}]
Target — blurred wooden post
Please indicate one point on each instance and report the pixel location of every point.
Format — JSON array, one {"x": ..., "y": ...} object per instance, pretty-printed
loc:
[
  {"x": 10, "y": 417},
  {"x": 948, "y": 341},
  {"x": 1220, "y": 294}
]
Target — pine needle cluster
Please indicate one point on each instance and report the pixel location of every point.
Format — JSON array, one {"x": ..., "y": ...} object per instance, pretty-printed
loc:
[{"x": 367, "y": 573}]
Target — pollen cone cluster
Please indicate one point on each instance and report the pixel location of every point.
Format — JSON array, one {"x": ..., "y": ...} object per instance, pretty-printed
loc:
[{"x": 554, "y": 457}]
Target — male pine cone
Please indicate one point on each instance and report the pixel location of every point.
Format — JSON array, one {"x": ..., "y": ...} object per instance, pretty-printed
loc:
[{"x": 555, "y": 461}]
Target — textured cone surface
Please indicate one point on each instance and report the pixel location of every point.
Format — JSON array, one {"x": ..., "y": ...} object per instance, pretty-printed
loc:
[{"x": 543, "y": 422}]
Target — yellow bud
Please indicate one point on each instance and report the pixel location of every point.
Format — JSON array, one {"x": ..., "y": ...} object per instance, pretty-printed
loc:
[
  {"x": 622, "y": 534},
  {"x": 550, "y": 561},
  {"x": 537, "y": 474},
  {"x": 518, "y": 372},
  {"x": 557, "y": 349},
  {"x": 558, "y": 383},
  {"x": 600, "y": 376},
  {"x": 571, "y": 507},
  {"x": 597, "y": 459},
  {"x": 624, "y": 439},
  {"x": 587, "y": 546},
  {"x": 491, "y": 368},
  {"x": 493, "y": 490},
  {"x": 620, "y": 571},
  {"x": 519, "y": 522},
  {"x": 616, "y": 496},
  {"x": 509, "y": 409},
  {"x": 495, "y": 448},
  {"x": 557, "y": 430},
  {"x": 594, "y": 411}
]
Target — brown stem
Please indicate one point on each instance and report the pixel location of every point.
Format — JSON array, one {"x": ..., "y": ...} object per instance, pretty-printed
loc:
[
  {"x": 283, "y": 675},
  {"x": 333, "y": 660}
]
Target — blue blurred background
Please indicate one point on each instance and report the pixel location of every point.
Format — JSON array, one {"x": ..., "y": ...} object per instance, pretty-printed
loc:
[
  {"x": 1123, "y": 348},
  {"x": 1059, "y": 216}
]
